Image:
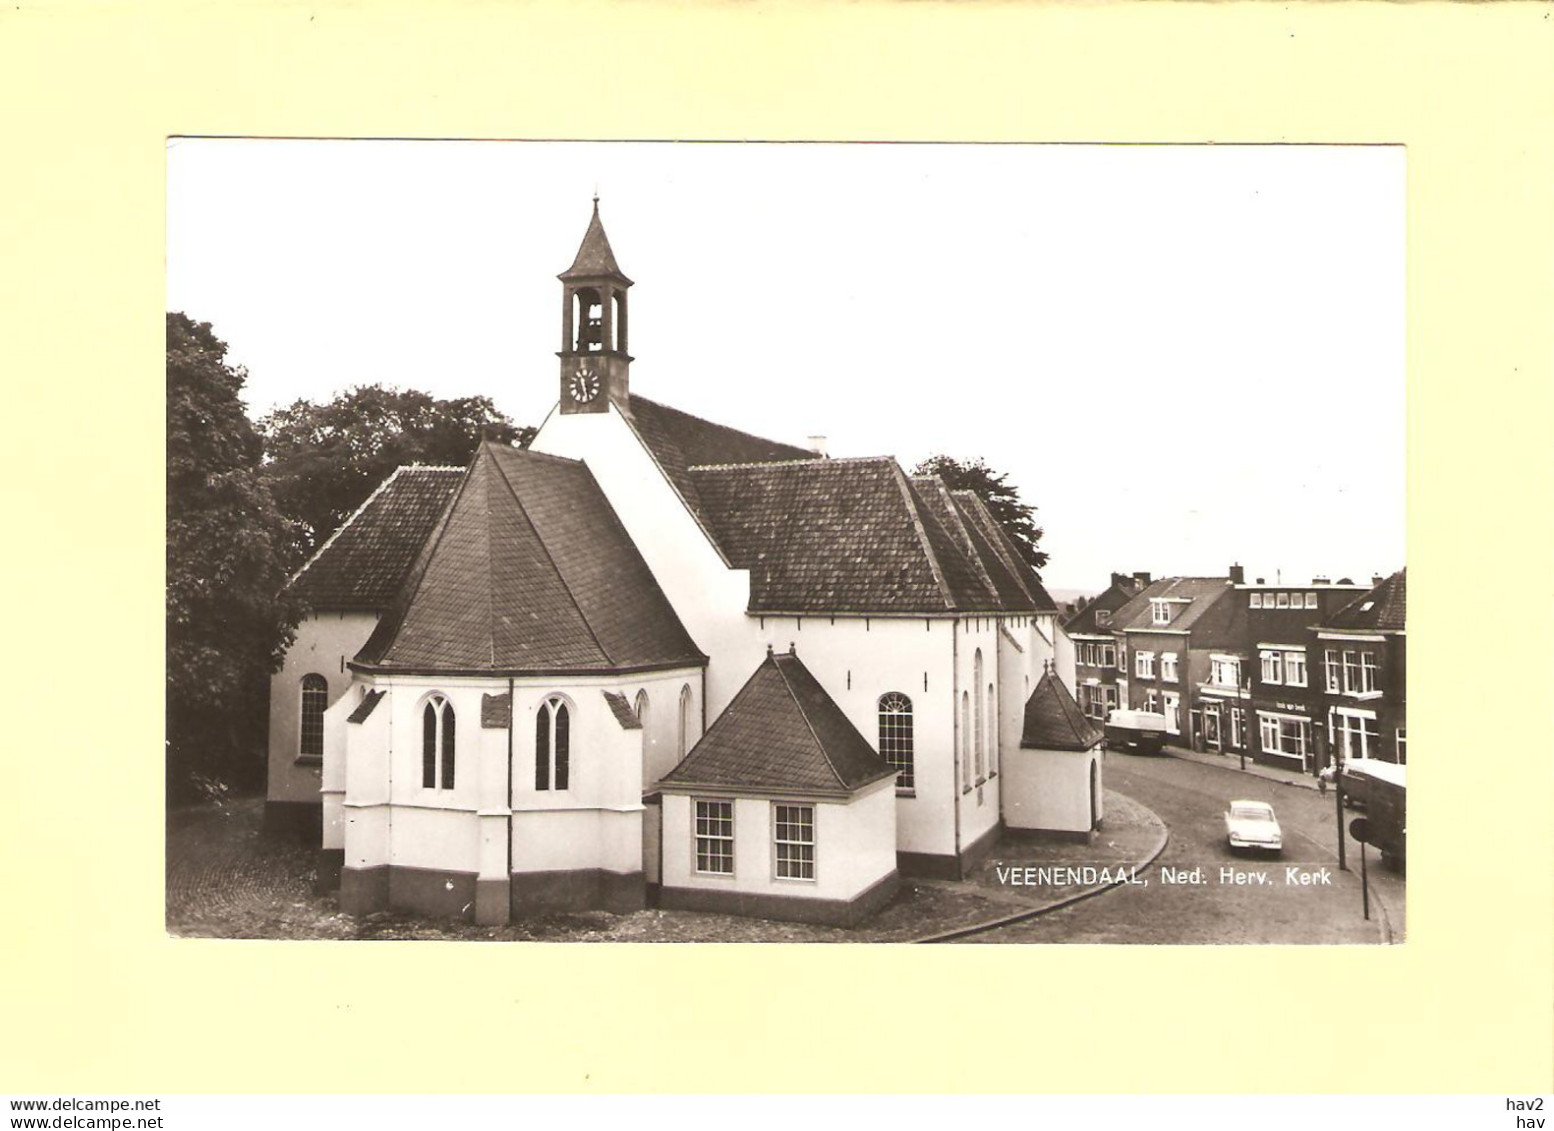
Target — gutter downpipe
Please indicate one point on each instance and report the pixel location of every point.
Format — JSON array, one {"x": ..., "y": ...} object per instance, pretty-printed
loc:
[{"x": 507, "y": 864}]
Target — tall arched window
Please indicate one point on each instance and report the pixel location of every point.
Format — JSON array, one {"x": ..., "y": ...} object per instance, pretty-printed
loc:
[
  {"x": 896, "y": 735},
  {"x": 315, "y": 699},
  {"x": 438, "y": 739},
  {"x": 685, "y": 720},
  {"x": 641, "y": 707},
  {"x": 992, "y": 733},
  {"x": 552, "y": 744},
  {"x": 965, "y": 740},
  {"x": 980, "y": 734}
]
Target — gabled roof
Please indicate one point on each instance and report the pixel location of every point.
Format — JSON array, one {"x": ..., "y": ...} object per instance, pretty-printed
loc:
[
  {"x": 594, "y": 256},
  {"x": 363, "y": 564},
  {"x": 1383, "y": 609},
  {"x": 781, "y": 733},
  {"x": 528, "y": 571},
  {"x": 1117, "y": 594},
  {"x": 1053, "y": 721},
  {"x": 1201, "y": 607}
]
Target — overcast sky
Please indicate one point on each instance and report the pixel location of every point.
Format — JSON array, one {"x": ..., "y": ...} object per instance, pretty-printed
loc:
[{"x": 1184, "y": 356}]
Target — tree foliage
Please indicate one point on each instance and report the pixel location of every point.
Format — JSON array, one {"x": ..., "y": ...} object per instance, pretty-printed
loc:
[
  {"x": 227, "y": 625},
  {"x": 323, "y": 460},
  {"x": 1002, "y": 498}
]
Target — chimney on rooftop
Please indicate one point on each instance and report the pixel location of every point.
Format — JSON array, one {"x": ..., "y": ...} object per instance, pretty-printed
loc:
[
  {"x": 817, "y": 444},
  {"x": 1376, "y": 579},
  {"x": 1320, "y": 579},
  {"x": 1237, "y": 575},
  {"x": 1141, "y": 577},
  {"x": 1120, "y": 580}
]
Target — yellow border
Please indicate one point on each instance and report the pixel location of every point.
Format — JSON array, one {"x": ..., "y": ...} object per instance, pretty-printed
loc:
[{"x": 97, "y": 999}]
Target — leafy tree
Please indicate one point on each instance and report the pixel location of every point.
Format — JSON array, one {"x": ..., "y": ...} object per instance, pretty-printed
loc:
[
  {"x": 323, "y": 460},
  {"x": 1001, "y": 497},
  {"x": 227, "y": 626}
]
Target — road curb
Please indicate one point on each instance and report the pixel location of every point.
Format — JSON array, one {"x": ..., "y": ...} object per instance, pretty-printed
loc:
[
  {"x": 1066, "y": 901},
  {"x": 1252, "y": 770}
]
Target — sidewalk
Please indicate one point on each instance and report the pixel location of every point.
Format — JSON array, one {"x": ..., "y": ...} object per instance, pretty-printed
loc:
[{"x": 1233, "y": 762}]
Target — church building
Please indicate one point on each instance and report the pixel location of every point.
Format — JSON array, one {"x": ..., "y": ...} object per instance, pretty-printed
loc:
[{"x": 653, "y": 659}]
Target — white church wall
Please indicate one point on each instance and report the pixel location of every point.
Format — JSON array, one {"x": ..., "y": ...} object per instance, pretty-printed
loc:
[
  {"x": 709, "y": 597},
  {"x": 323, "y": 645},
  {"x": 859, "y": 659},
  {"x": 976, "y": 795}
]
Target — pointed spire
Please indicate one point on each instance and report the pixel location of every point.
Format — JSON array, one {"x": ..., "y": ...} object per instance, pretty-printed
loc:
[{"x": 594, "y": 256}]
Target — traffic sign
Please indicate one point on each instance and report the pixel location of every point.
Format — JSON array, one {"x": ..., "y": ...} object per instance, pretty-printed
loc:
[{"x": 1359, "y": 828}]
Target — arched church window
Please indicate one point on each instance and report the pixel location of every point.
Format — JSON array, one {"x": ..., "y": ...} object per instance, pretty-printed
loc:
[
  {"x": 965, "y": 740},
  {"x": 438, "y": 740},
  {"x": 315, "y": 699},
  {"x": 683, "y": 743},
  {"x": 641, "y": 707},
  {"x": 992, "y": 734},
  {"x": 896, "y": 736},
  {"x": 979, "y": 748},
  {"x": 553, "y": 745}
]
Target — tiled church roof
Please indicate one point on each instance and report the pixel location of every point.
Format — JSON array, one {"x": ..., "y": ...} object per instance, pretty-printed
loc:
[
  {"x": 362, "y": 565},
  {"x": 1053, "y": 721},
  {"x": 677, "y": 441},
  {"x": 781, "y": 732},
  {"x": 849, "y": 536},
  {"x": 529, "y": 571},
  {"x": 1383, "y": 609}
]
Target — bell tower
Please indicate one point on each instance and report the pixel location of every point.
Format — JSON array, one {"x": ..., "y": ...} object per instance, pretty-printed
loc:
[{"x": 594, "y": 361}]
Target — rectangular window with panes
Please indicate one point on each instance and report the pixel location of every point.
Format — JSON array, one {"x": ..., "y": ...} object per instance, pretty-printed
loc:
[
  {"x": 793, "y": 838},
  {"x": 1144, "y": 665},
  {"x": 1351, "y": 671},
  {"x": 1330, "y": 664},
  {"x": 1368, "y": 672},
  {"x": 1168, "y": 666},
  {"x": 1295, "y": 669},
  {"x": 1273, "y": 669},
  {"x": 715, "y": 838}
]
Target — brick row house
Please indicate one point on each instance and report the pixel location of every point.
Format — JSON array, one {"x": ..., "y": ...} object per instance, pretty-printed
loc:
[
  {"x": 1168, "y": 639},
  {"x": 1363, "y": 699},
  {"x": 1286, "y": 677},
  {"x": 1099, "y": 682},
  {"x": 1279, "y": 672}
]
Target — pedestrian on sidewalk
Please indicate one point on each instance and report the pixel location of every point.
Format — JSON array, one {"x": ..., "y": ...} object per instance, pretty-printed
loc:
[{"x": 1324, "y": 778}]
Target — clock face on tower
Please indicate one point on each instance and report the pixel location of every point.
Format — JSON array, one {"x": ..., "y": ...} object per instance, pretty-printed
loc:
[{"x": 584, "y": 385}]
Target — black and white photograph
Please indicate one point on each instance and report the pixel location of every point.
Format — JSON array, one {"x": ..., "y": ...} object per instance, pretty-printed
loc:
[{"x": 743, "y": 542}]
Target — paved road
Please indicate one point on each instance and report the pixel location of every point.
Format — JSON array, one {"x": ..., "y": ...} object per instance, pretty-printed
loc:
[{"x": 1191, "y": 799}]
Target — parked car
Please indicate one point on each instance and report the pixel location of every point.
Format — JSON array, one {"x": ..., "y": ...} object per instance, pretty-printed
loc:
[
  {"x": 1251, "y": 824},
  {"x": 1140, "y": 732}
]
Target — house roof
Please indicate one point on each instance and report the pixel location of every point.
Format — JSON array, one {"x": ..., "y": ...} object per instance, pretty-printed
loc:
[
  {"x": 363, "y": 564},
  {"x": 1053, "y": 721},
  {"x": 972, "y": 508},
  {"x": 528, "y": 571},
  {"x": 1117, "y": 594},
  {"x": 1201, "y": 606},
  {"x": 594, "y": 256},
  {"x": 1383, "y": 609},
  {"x": 781, "y": 732}
]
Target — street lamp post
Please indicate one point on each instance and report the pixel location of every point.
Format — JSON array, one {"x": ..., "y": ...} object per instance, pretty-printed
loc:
[
  {"x": 1338, "y": 800},
  {"x": 1245, "y": 708}
]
